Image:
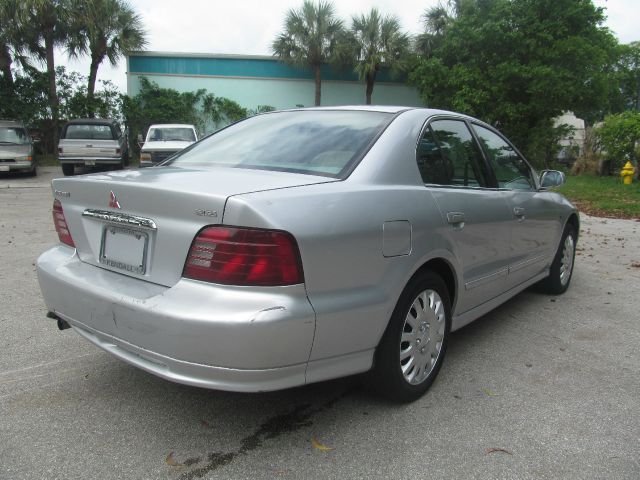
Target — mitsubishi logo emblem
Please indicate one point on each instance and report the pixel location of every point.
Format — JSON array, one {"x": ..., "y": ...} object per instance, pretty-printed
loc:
[{"x": 113, "y": 201}]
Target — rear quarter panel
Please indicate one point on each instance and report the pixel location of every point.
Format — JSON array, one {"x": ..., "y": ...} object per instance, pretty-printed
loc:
[{"x": 352, "y": 286}]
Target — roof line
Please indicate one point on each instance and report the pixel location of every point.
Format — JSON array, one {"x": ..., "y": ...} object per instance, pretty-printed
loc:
[{"x": 151, "y": 53}]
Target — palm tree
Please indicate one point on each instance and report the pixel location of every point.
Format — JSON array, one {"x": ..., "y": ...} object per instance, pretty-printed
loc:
[
  {"x": 13, "y": 39},
  {"x": 49, "y": 21},
  {"x": 104, "y": 29},
  {"x": 309, "y": 38},
  {"x": 437, "y": 20},
  {"x": 378, "y": 41}
]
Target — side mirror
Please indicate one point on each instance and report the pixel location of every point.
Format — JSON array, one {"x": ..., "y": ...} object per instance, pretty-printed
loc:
[{"x": 552, "y": 178}]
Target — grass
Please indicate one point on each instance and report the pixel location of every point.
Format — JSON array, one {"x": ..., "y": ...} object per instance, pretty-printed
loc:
[{"x": 603, "y": 196}]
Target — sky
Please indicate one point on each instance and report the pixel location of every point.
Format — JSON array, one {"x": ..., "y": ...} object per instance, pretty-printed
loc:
[{"x": 249, "y": 26}]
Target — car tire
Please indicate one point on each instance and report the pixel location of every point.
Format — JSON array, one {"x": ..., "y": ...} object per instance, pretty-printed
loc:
[
  {"x": 561, "y": 269},
  {"x": 413, "y": 346},
  {"x": 33, "y": 172},
  {"x": 68, "y": 169}
]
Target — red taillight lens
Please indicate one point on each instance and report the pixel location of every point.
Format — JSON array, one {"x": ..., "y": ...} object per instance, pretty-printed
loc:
[
  {"x": 61, "y": 224},
  {"x": 244, "y": 256}
]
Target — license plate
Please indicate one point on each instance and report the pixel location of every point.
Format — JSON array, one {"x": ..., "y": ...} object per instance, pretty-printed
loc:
[
  {"x": 4, "y": 168},
  {"x": 124, "y": 248},
  {"x": 90, "y": 163}
]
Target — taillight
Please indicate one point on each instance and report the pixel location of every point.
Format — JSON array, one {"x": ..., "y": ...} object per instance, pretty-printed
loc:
[
  {"x": 60, "y": 150},
  {"x": 61, "y": 224},
  {"x": 244, "y": 256}
]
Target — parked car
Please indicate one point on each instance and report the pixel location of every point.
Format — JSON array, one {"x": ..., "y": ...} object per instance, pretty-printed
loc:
[
  {"x": 92, "y": 142},
  {"x": 165, "y": 140},
  {"x": 299, "y": 246},
  {"x": 16, "y": 148}
]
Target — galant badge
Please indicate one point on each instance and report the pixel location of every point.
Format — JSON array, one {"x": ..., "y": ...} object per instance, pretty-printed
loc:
[{"x": 113, "y": 201}]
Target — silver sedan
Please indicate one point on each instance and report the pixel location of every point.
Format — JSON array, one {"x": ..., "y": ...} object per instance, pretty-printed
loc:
[{"x": 299, "y": 246}]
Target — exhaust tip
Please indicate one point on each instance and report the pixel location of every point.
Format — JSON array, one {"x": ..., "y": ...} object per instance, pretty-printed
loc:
[{"x": 62, "y": 324}]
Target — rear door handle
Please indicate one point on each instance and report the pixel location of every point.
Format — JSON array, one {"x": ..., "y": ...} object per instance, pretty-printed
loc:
[
  {"x": 519, "y": 213},
  {"x": 456, "y": 219}
]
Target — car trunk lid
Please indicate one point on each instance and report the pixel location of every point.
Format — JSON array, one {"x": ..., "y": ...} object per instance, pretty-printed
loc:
[{"x": 141, "y": 222}]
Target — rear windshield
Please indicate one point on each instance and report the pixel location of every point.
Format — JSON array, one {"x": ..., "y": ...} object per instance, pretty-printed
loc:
[
  {"x": 13, "y": 136},
  {"x": 171, "y": 135},
  {"x": 323, "y": 143},
  {"x": 88, "y": 132}
]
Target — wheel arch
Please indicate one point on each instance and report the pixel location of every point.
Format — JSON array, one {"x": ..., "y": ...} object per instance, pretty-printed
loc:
[
  {"x": 445, "y": 270},
  {"x": 575, "y": 222}
]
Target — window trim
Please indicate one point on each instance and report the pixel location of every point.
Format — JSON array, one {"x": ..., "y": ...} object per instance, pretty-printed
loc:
[
  {"x": 348, "y": 169},
  {"x": 491, "y": 179},
  {"x": 534, "y": 177}
]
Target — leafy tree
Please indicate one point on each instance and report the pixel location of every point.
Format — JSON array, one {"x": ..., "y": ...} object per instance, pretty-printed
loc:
[
  {"x": 309, "y": 39},
  {"x": 627, "y": 74},
  {"x": 154, "y": 104},
  {"x": 75, "y": 102},
  {"x": 29, "y": 101},
  {"x": 377, "y": 41},
  {"x": 104, "y": 29},
  {"x": 518, "y": 64},
  {"x": 618, "y": 136}
]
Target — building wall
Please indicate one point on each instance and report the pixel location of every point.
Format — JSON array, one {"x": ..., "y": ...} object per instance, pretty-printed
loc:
[{"x": 258, "y": 80}]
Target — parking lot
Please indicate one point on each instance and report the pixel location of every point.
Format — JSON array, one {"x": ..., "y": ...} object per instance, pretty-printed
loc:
[{"x": 543, "y": 387}]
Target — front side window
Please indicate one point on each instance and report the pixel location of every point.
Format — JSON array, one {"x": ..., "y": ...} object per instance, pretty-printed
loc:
[
  {"x": 510, "y": 169},
  {"x": 447, "y": 154},
  {"x": 13, "y": 136},
  {"x": 323, "y": 143},
  {"x": 88, "y": 132}
]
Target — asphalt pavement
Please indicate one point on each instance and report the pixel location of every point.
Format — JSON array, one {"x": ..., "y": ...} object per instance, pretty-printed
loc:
[{"x": 541, "y": 388}]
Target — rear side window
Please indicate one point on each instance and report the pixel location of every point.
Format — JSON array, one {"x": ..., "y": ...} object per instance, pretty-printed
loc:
[
  {"x": 171, "y": 135},
  {"x": 323, "y": 143},
  {"x": 510, "y": 169},
  {"x": 447, "y": 154},
  {"x": 88, "y": 132}
]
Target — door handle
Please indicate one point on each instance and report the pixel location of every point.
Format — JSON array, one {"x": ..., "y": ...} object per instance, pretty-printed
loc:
[
  {"x": 519, "y": 213},
  {"x": 456, "y": 219}
]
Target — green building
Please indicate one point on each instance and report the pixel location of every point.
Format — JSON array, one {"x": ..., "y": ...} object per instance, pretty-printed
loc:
[{"x": 253, "y": 80}]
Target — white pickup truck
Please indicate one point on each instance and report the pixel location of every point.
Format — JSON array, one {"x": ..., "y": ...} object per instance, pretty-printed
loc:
[
  {"x": 92, "y": 142},
  {"x": 164, "y": 140}
]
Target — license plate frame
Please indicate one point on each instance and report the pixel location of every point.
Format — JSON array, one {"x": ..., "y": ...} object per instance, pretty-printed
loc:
[
  {"x": 90, "y": 163},
  {"x": 4, "y": 168},
  {"x": 124, "y": 248}
]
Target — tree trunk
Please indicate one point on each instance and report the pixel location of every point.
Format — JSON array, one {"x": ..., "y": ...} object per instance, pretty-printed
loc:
[
  {"x": 316, "y": 72},
  {"x": 638, "y": 94},
  {"x": 5, "y": 67},
  {"x": 53, "y": 96},
  {"x": 91, "y": 86},
  {"x": 371, "y": 80}
]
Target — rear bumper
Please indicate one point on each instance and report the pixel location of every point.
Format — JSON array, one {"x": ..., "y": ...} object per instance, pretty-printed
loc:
[
  {"x": 90, "y": 160},
  {"x": 147, "y": 163},
  {"x": 15, "y": 166},
  {"x": 212, "y": 336}
]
